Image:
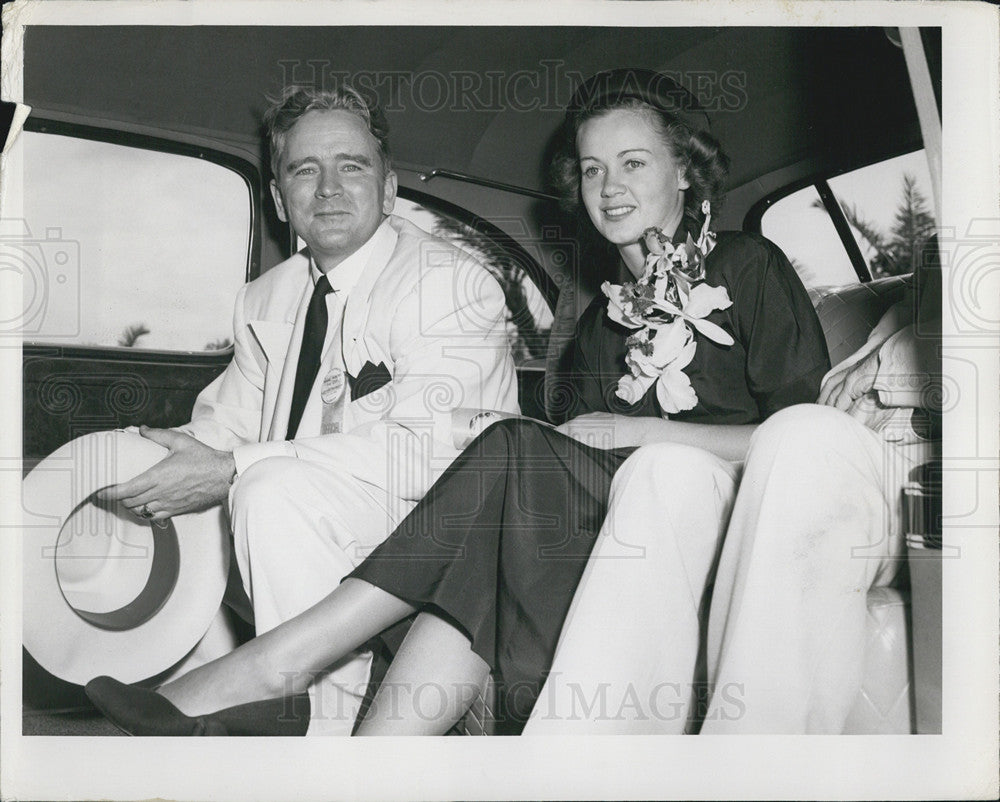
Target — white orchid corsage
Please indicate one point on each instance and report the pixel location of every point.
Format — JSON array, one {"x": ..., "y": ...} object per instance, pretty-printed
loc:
[{"x": 663, "y": 305}]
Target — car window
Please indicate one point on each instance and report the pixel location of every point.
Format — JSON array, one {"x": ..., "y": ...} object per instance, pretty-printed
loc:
[
  {"x": 529, "y": 318},
  {"x": 799, "y": 224},
  {"x": 888, "y": 205},
  {"x": 888, "y": 213},
  {"x": 125, "y": 247}
]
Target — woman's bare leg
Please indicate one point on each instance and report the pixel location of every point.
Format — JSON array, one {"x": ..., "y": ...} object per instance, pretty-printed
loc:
[
  {"x": 432, "y": 682},
  {"x": 283, "y": 661}
]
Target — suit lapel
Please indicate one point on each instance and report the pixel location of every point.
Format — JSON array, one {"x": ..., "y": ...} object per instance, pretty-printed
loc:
[
  {"x": 284, "y": 342},
  {"x": 359, "y": 306}
]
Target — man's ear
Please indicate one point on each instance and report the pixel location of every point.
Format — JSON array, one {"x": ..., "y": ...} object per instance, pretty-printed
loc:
[
  {"x": 279, "y": 203},
  {"x": 389, "y": 192}
]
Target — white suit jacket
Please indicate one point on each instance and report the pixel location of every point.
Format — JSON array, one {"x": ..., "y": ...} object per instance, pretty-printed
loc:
[{"x": 425, "y": 309}]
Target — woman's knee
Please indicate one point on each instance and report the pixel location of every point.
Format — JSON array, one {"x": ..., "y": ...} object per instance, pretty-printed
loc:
[
  {"x": 806, "y": 417},
  {"x": 505, "y": 436},
  {"x": 668, "y": 466}
]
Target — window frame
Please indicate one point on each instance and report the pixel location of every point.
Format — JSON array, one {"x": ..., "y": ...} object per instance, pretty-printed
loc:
[
  {"x": 242, "y": 167},
  {"x": 542, "y": 280},
  {"x": 819, "y": 180}
]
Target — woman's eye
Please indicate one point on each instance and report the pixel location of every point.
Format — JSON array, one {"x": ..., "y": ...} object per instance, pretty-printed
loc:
[
  {"x": 634, "y": 164},
  {"x": 590, "y": 172}
]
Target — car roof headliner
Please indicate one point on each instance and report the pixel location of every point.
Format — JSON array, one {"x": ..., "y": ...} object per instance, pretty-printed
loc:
[{"x": 833, "y": 96}]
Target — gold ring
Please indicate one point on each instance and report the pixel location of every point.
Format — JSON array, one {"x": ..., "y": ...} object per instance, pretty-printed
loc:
[{"x": 145, "y": 513}]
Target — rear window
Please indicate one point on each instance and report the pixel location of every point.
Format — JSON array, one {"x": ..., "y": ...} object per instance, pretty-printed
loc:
[
  {"x": 124, "y": 247},
  {"x": 888, "y": 210}
]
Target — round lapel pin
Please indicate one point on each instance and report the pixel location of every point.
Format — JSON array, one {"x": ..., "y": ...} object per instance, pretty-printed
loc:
[{"x": 333, "y": 386}]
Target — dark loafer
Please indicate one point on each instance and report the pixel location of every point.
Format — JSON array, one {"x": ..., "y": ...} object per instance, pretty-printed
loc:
[{"x": 140, "y": 711}]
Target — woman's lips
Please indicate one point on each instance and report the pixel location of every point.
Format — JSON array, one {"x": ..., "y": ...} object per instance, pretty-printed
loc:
[{"x": 617, "y": 212}]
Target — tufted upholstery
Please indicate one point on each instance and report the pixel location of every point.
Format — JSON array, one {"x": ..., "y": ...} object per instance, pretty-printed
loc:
[
  {"x": 848, "y": 313},
  {"x": 480, "y": 718}
]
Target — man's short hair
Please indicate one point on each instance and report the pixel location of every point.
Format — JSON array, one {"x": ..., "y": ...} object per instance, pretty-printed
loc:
[{"x": 297, "y": 101}]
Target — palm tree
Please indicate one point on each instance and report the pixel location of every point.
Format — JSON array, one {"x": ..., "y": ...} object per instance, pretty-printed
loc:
[
  {"x": 881, "y": 261},
  {"x": 898, "y": 251},
  {"x": 530, "y": 342},
  {"x": 218, "y": 345},
  {"x": 911, "y": 228},
  {"x": 131, "y": 334}
]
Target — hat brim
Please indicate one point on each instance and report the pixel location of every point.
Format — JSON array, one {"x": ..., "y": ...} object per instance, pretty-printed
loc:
[{"x": 105, "y": 592}]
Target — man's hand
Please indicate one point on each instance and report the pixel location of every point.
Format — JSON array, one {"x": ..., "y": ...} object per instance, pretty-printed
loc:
[
  {"x": 192, "y": 477},
  {"x": 843, "y": 388},
  {"x": 850, "y": 390}
]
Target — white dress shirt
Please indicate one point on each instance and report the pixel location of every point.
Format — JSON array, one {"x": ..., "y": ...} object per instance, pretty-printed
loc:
[{"x": 342, "y": 280}]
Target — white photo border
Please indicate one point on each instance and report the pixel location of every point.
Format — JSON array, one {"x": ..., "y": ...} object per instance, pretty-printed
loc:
[{"x": 961, "y": 763}]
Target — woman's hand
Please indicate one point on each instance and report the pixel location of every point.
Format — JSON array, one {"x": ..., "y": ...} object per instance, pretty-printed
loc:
[
  {"x": 606, "y": 431},
  {"x": 597, "y": 429}
]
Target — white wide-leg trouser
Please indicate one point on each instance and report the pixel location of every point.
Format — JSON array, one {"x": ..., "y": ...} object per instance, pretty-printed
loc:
[
  {"x": 625, "y": 662},
  {"x": 816, "y": 523}
]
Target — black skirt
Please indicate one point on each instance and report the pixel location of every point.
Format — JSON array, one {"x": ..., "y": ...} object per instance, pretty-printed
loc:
[{"x": 498, "y": 546}]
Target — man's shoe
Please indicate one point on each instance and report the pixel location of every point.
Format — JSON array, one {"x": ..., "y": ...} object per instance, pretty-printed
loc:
[{"x": 140, "y": 711}]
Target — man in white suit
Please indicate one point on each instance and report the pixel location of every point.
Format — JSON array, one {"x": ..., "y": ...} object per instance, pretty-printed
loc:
[{"x": 322, "y": 442}]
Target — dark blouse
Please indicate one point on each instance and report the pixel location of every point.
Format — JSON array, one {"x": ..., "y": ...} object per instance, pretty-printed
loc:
[{"x": 778, "y": 358}]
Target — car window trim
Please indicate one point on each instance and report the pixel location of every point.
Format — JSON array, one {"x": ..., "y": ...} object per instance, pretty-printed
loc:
[
  {"x": 541, "y": 279},
  {"x": 843, "y": 228},
  {"x": 242, "y": 167},
  {"x": 752, "y": 221},
  {"x": 443, "y": 172},
  {"x": 755, "y": 214}
]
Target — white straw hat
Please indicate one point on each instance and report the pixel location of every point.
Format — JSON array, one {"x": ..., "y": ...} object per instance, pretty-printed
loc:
[{"x": 104, "y": 591}]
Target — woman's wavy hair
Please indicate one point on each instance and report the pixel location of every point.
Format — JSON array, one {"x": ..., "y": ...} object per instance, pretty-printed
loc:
[
  {"x": 297, "y": 101},
  {"x": 673, "y": 111}
]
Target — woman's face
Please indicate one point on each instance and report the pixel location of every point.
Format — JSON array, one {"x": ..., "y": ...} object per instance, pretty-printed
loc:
[{"x": 629, "y": 179}]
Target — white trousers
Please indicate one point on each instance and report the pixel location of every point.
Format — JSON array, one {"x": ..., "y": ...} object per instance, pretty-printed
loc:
[
  {"x": 816, "y": 523},
  {"x": 625, "y": 662},
  {"x": 299, "y": 528}
]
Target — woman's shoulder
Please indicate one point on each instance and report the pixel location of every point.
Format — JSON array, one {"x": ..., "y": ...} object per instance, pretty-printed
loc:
[
  {"x": 744, "y": 245},
  {"x": 738, "y": 255}
]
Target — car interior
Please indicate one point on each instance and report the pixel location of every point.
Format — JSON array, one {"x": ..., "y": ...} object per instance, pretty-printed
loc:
[{"x": 156, "y": 130}]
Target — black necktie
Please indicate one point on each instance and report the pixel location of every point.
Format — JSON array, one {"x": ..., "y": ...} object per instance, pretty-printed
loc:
[{"x": 311, "y": 353}]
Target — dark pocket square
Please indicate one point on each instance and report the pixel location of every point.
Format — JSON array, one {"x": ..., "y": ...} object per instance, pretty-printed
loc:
[{"x": 370, "y": 378}]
